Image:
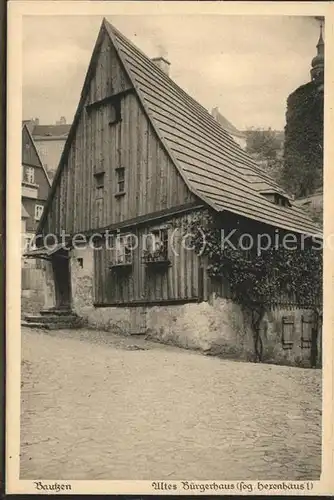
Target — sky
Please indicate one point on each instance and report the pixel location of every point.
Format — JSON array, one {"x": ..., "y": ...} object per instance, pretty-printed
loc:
[{"x": 245, "y": 65}]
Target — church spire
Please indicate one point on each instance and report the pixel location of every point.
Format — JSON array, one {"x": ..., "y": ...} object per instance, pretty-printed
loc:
[
  {"x": 320, "y": 44},
  {"x": 318, "y": 62}
]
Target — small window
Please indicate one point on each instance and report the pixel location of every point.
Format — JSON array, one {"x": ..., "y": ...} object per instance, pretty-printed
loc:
[
  {"x": 38, "y": 211},
  {"x": 114, "y": 112},
  {"x": 156, "y": 245},
  {"x": 29, "y": 175},
  {"x": 279, "y": 200},
  {"x": 122, "y": 247},
  {"x": 276, "y": 198},
  {"x": 120, "y": 173},
  {"x": 99, "y": 184},
  {"x": 80, "y": 262},
  {"x": 99, "y": 180}
]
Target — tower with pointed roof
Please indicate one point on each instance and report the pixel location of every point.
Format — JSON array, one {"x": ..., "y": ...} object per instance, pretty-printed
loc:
[
  {"x": 318, "y": 62},
  {"x": 303, "y": 146}
]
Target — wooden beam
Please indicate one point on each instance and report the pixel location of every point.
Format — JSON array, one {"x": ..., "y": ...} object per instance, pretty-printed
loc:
[
  {"x": 108, "y": 99},
  {"x": 153, "y": 217},
  {"x": 146, "y": 303}
]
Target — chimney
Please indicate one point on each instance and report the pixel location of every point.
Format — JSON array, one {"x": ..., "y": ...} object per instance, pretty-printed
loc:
[
  {"x": 62, "y": 121},
  {"x": 215, "y": 113},
  {"x": 36, "y": 121},
  {"x": 162, "y": 63}
]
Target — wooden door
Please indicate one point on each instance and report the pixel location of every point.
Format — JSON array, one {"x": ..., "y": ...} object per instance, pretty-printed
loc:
[{"x": 61, "y": 272}]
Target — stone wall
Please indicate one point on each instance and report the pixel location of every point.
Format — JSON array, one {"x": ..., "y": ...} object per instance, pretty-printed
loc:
[
  {"x": 220, "y": 327},
  {"x": 32, "y": 287},
  {"x": 217, "y": 327},
  {"x": 82, "y": 280},
  {"x": 32, "y": 301}
]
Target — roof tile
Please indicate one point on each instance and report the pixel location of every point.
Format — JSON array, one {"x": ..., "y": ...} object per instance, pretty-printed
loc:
[{"x": 215, "y": 166}]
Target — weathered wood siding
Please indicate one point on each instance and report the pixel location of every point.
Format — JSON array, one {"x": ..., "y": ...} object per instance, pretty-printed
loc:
[
  {"x": 151, "y": 181},
  {"x": 180, "y": 281}
]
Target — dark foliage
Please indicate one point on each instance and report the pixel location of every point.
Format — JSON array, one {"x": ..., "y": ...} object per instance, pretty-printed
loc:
[{"x": 303, "y": 150}]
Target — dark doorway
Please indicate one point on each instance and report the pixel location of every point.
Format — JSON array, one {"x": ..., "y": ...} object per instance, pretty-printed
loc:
[{"x": 62, "y": 279}]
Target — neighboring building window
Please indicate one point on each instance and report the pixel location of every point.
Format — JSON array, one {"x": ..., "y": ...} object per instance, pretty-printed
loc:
[
  {"x": 28, "y": 243},
  {"x": 29, "y": 175},
  {"x": 120, "y": 173},
  {"x": 38, "y": 211}
]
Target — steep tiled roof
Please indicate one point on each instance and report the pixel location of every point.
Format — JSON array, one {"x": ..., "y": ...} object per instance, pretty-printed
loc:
[
  {"x": 215, "y": 168},
  {"x": 40, "y": 131},
  {"x": 30, "y": 155},
  {"x": 24, "y": 213},
  {"x": 51, "y": 131},
  {"x": 30, "y": 124}
]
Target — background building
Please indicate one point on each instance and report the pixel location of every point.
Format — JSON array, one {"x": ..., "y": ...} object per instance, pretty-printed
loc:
[
  {"x": 237, "y": 135},
  {"x": 35, "y": 186},
  {"x": 50, "y": 141}
]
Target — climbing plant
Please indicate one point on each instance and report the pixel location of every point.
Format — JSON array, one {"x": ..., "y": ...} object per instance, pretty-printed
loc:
[{"x": 257, "y": 279}]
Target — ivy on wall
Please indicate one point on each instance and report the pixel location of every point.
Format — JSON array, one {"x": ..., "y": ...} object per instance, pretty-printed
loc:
[
  {"x": 303, "y": 149},
  {"x": 259, "y": 280}
]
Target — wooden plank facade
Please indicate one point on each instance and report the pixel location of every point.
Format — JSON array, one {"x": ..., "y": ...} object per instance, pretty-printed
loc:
[
  {"x": 149, "y": 283},
  {"x": 140, "y": 147},
  {"x": 151, "y": 181}
]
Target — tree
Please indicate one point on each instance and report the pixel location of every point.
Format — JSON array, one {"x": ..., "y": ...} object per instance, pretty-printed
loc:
[
  {"x": 265, "y": 146},
  {"x": 303, "y": 149},
  {"x": 264, "y": 143}
]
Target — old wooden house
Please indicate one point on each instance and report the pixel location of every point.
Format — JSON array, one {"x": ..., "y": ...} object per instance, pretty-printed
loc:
[{"x": 142, "y": 157}]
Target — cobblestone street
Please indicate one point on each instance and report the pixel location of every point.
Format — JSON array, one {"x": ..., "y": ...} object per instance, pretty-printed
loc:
[{"x": 96, "y": 406}]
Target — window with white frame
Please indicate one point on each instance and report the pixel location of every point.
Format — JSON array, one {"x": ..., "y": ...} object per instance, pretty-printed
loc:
[
  {"x": 122, "y": 249},
  {"x": 38, "y": 211},
  {"x": 29, "y": 175},
  {"x": 28, "y": 243}
]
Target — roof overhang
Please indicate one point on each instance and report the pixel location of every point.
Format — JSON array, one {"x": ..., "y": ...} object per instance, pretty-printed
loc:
[{"x": 43, "y": 252}]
